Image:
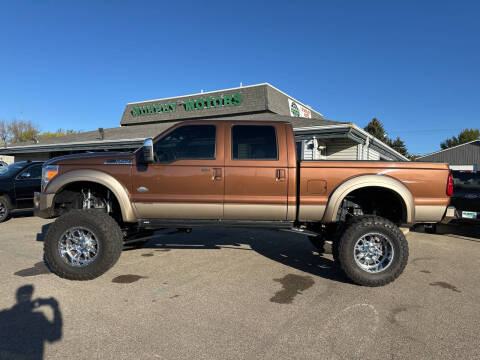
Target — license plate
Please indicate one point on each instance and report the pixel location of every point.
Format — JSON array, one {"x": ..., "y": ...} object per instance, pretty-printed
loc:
[{"x": 469, "y": 214}]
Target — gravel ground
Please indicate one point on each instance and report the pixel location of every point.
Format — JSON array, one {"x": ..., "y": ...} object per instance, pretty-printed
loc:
[{"x": 239, "y": 294}]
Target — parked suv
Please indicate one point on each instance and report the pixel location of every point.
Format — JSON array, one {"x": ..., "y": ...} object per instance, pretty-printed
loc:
[{"x": 18, "y": 182}]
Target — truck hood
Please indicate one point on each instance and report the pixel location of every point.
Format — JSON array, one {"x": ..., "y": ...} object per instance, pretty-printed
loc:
[{"x": 93, "y": 159}]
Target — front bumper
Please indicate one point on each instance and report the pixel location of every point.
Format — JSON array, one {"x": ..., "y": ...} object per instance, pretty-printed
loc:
[
  {"x": 450, "y": 214},
  {"x": 43, "y": 205}
]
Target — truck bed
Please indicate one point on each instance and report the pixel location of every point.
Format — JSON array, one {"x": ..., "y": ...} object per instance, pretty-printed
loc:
[{"x": 319, "y": 180}]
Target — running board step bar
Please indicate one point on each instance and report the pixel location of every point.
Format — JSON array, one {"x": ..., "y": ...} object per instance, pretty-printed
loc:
[
  {"x": 176, "y": 223},
  {"x": 301, "y": 231}
]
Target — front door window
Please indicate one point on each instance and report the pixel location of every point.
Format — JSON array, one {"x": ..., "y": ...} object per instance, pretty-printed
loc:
[{"x": 191, "y": 142}]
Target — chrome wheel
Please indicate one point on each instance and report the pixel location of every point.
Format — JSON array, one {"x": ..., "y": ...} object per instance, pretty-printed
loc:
[
  {"x": 78, "y": 246},
  {"x": 373, "y": 252}
]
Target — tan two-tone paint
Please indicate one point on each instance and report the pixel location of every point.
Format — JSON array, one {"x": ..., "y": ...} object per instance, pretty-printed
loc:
[{"x": 224, "y": 188}]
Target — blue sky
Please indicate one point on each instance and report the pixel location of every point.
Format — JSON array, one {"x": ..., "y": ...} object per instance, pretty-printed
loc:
[{"x": 415, "y": 65}]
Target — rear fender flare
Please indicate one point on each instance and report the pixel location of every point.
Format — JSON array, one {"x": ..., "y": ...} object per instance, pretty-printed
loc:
[{"x": 363, "y": 181}]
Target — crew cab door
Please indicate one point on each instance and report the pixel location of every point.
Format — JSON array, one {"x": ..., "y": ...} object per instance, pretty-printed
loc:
[
  {"x": 26, "y": 183},
  {"x": 186, "y": 181},
  {"x": 256, "y": 176}
]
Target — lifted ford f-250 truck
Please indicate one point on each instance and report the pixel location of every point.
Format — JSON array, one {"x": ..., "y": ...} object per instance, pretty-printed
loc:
[{"x": 236, "y": 173}]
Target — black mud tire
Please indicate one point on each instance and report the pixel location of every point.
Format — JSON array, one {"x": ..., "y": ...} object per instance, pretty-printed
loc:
[
  {"x": 354, "y": 231},
  {"x": 5, "y": 206},
  {"x": 109, "y": 236}
]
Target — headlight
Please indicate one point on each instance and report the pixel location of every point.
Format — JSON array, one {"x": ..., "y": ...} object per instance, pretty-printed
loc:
[{"x": 48, "y": 173}]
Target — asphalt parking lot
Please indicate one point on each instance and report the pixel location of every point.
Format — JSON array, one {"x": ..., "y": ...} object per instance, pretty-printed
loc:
[{"x": 238, "y": 294}]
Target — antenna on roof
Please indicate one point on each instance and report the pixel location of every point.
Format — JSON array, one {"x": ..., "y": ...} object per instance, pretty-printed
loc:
[
  {"x": 201, "y": 91},
  {"x": 241, "y": 84},
  {"x": 102, "y": 133}
]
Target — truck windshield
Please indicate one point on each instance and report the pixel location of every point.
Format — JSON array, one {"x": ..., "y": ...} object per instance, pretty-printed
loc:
[{"x": 11, "y": 169}]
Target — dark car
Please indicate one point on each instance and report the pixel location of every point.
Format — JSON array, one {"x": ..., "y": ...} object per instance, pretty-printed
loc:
[
  {"x": 466, "y": 195},
  {"x": 18, "y": 182}
]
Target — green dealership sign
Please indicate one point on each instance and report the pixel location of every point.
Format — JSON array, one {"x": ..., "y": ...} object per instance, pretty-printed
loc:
[{"x": 197, "y": 104}]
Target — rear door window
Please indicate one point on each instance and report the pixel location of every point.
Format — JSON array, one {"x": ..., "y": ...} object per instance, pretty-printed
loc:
[{"x": 254, "y": 142}]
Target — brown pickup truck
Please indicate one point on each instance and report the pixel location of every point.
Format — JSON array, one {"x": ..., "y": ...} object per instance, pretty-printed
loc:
[{"x": 236, "y": 174}]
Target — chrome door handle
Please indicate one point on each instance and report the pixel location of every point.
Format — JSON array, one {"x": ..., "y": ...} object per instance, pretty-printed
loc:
[
  {"x": 217, "y": 174},
  {"x": 280, "y": 175}
]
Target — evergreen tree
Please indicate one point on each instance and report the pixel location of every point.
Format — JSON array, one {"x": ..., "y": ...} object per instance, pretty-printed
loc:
[
  {"x": 376, "y": 129},
  {"x": 399, "y": 146},
  {"x": 465, "y": 136}
]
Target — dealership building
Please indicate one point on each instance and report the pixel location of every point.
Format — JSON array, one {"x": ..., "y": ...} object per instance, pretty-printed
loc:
[{"x": 316, "y": 138}]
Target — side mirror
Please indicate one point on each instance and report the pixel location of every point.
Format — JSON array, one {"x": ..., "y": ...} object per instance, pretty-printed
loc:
[{"x": 148, "y": 156}]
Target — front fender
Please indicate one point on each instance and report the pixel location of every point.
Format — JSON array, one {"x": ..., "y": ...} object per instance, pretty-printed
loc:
[
  {"x": 99, "y": 177},
  {"x": 362, "y": 181}
]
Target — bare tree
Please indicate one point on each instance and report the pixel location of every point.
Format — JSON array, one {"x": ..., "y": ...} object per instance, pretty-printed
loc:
[
  {"x": 22, "y": 130},
  {"x": 4, "y": 134}
]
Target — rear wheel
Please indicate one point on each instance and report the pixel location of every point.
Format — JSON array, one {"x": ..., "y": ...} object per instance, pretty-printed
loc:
[
  {"x": 4, "y": 208},
  {"x": 372, "y": 251},
  {"x": 83, "y": 244}
]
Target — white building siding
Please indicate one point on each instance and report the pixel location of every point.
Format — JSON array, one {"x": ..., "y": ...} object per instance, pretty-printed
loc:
[
  {"x": 373, "y": 155},
  {"x": 307, "y": 151},
  {"x": 310, "y": 152},
  {"x": 338, "y": 149},
  {"x": 367, "y": 153},
  {"x": 341, "y": 149},
  {"x": 330, "y": 149}
]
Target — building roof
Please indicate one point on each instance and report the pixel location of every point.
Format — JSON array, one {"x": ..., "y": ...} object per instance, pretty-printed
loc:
[
  {"x": 132, "y": 136},
  {"x": 448, "y": 149},
  {"x": 259, "y": 98},
  {"x": 463, "y": 154}
]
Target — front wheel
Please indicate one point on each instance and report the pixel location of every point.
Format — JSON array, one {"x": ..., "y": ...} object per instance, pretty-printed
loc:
[
  {"x": 372, "y": 251},
  {"x": 4, "y": 208},
  {"x": 83, "y": 244}
]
